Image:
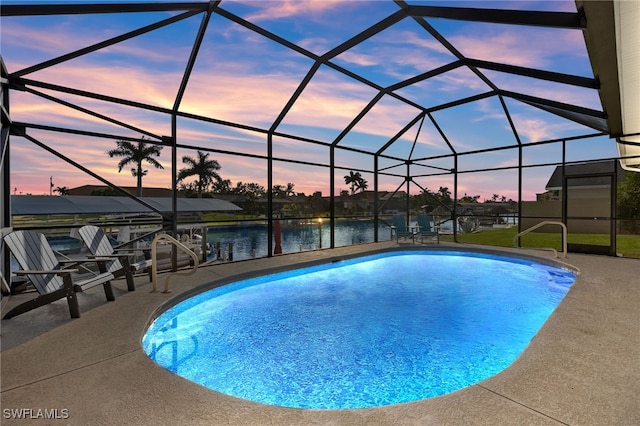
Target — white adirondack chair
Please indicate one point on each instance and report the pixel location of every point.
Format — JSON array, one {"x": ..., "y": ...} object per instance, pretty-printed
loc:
[
  {"x": 47, "y": 274},
  {"x": 99, "y": 245}
]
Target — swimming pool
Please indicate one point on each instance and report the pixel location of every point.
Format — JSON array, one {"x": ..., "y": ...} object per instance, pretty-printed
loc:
[{"x": 371, "y": 331}]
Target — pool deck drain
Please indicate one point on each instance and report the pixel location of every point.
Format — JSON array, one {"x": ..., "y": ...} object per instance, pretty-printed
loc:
[{"x": 582, "y": 368}]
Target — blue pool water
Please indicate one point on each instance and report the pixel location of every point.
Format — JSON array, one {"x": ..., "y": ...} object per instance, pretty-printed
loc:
[{"x": 372, "y": 331}]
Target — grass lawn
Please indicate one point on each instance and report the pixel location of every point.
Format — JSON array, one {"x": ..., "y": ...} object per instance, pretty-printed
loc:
[{"x": 627, "y": 245}]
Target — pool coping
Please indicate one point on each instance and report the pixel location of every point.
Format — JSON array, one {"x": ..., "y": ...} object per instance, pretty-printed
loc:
[{"x": 581, "y": 368}]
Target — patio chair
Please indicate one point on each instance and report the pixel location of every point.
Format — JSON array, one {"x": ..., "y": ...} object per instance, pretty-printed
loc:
[
  {"x": 424, "y": 222},
  {"x": 99, "y": 245},
  {"x": 47, "y": 274},
  {"x": 399, "y": 225}
]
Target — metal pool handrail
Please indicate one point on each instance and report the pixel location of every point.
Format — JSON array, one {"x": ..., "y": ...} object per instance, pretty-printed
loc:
[
  {"x": 154, "y": 261},
  {"x": 538, "y": 225}
]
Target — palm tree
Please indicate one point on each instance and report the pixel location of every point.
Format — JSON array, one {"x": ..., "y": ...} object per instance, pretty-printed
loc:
[
  {"x": 353, "y": 179},
  {"x": 281, "y": 191},
  {"x": 136, "y": 154},
  {"x": 444, "y": 194},
  {"x": 277, "y": 191},
  {"x": 289, "y": 189},
  {"x": 62, "y": 190},
  {"x": 362, "y": 185},
  {"x": 203, "y": 168}
]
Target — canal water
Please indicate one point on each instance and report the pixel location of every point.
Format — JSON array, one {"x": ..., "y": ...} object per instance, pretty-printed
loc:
[{"x": 251, "y": 240}]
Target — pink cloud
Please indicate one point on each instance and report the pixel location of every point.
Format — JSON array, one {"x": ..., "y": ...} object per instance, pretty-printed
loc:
[
  {"x": 360, "y": 59},
  {"x": 528, "y": 47},
  {"x": 485, "y": 184},
  {"x": 461, "y": 79},
  {"x": 399, "y": 54},
  {"x": 283, "y": 9},
  {"x": 317, "y": 44},
  {"x": 533, "y": 129},
  {"x": 132, "y": 83},
  {"x": 546, "y": 90},
  {"x": 32, "y": 40},
  {"x": 31, "y": 45},
  {"x": 239, "y": 97}
]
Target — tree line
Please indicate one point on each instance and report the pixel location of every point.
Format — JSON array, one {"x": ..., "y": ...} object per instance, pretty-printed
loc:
[{"x": 205, "y": 171}]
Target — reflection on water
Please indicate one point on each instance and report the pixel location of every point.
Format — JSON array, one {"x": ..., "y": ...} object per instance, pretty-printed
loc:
[
  {"x": 250, "y": 240},
  {"x": 172, "y": 346}
]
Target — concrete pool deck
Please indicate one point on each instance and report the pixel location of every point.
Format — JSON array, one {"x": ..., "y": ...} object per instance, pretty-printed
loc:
[{"x": 582, "y": 368}]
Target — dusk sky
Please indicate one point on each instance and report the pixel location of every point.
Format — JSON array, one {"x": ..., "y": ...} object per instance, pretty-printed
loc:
[{"x": 243, "y": 77}]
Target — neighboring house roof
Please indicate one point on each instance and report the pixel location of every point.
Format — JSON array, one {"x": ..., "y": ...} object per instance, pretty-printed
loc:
[
  {"x": 370, "y": 195},
  {"x": 147, "y": 192},
  {"x": 265, "y": 200},
  {"x": 70, "y": 204},
  {"x": 586, "y": 169},
  {"x": 233, "y": 198}
]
